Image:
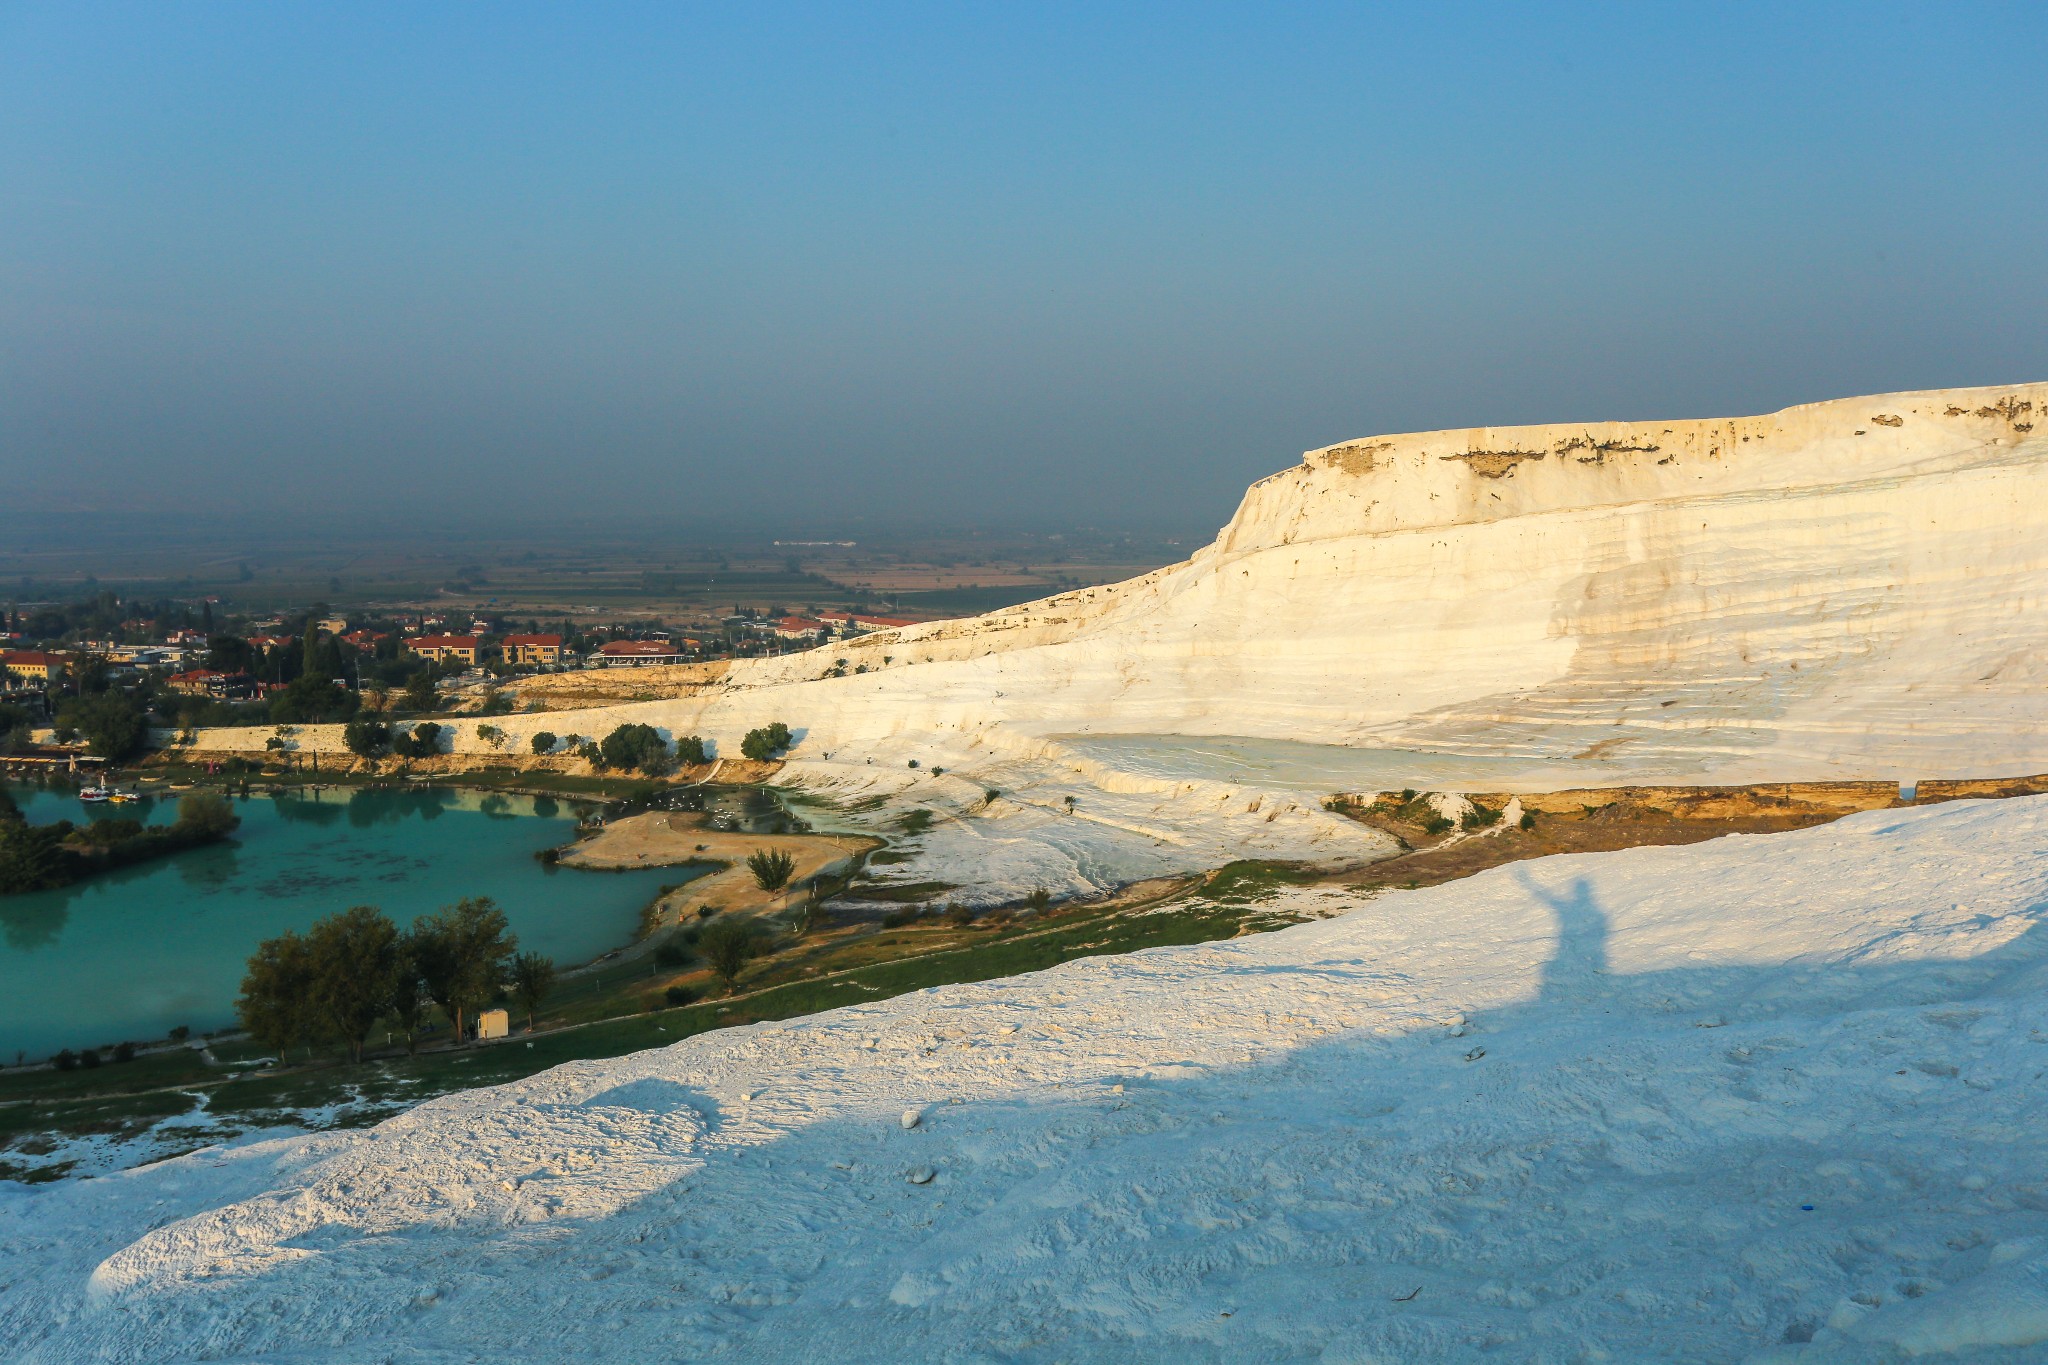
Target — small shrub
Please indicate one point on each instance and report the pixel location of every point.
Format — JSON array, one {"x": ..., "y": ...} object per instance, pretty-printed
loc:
[
  {"x": 990, "y": 795},
  {"x": 706, "y": 911},
  {"x": 181, "y": 1033},
  {"x": 1479, "y": 817},
  {"x": 915, "y": 764},
  {"x": 766, "y": 742},
  {"x": 728, "y": 946},
  {"x": 1038, "y": 899},
  {"x": 902, "y": 915},
  {"x": 1435, "y": 824},
  {"x": 67, "y": 1060},
  {"x": 125, "y": 1052},
  {"x": 959, "y": 917},
  {"x": 543, "y": 741},
  {"x": 771, "y": 868},
  {"x": 679, "y": 995},
  {"x": 671, "y": 956},
  {"x": 1528, "y": 820},
  {"x": 89, "y": 1058}
]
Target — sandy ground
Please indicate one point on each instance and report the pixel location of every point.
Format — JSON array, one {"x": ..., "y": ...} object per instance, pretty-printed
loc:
[{"x": 673, "y": 838}]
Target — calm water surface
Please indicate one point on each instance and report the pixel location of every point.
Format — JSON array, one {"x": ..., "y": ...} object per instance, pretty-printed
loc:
[{"x": 135, "y": 953}]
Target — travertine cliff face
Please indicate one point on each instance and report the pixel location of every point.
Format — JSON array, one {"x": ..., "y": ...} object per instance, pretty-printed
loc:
[
  {"x": 1844, "y": 586},
  {"x": 1852, "y": 588}
]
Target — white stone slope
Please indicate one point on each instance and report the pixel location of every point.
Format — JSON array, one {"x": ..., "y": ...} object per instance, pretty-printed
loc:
[
  {"x": 1768, "y": 1098},
  {"x": 1851, "y": 589}
]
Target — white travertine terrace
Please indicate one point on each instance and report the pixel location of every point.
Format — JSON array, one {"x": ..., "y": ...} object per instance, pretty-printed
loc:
[{"x": 1850, "y": 589}]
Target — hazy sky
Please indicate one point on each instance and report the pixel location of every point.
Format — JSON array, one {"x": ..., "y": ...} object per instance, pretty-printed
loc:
[{"x": 1013, "y": 263}]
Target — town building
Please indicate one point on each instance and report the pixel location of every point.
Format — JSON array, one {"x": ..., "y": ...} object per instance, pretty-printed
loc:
[
  {"x": 272, "y": 641},
  {"x": 796, "y": 628},
  {"x": 364, "y": 639},
  {"x": 442, "y": 648},
  {"x": 636, "y": 654},
  {"x": 207, "y": 682},
  {"x": 533, "y": 649},
  {"x": 35, "y": 665}
]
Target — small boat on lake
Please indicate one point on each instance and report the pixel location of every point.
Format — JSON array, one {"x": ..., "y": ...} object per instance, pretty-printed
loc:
[{"x": 94, "y": 794}]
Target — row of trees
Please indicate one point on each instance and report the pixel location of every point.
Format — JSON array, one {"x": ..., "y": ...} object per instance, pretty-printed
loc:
[
  {"x": 39, "y": 857},
  {"x": 334, "y": 982}
]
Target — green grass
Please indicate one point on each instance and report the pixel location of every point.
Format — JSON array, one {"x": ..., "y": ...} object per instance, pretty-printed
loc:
[{"x": 1254, "y": 879}]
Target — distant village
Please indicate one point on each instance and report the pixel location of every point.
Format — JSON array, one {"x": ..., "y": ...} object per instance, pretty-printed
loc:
[{"x": 101, "y": 674}]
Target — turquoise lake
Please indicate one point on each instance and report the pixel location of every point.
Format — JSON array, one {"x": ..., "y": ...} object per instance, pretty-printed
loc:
[{"x": 133, "y": 954}]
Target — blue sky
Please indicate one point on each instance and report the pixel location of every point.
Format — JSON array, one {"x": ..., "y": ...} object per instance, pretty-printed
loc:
[{"x": 1095, "y": 264}]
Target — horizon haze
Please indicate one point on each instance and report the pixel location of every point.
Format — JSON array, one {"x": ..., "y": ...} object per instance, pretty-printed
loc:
[{"x": 440, "y": 268}]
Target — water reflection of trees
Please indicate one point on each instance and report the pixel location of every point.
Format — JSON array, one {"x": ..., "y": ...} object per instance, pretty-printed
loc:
[
  {"x": 299, "y": 808},
  {"x": 34, "y": 919},
  {"x": 367, "y": 808}
]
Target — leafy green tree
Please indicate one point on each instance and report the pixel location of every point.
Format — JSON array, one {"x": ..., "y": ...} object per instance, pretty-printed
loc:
[
  {"x": 365, "y": 737},
  {"x": 355, "y": 969},
  {"x": 543, "y": 741},
  {"x": 765, "y": 742},
  {"x": 771, "y": 868},
  {"x": 32, "y": 857},
  {"x": 690, "y": 749},
  {"x": 419, "y": 690},
  {"x": 276, "y": 1004},
  {"x": 230, "y": 654},
  {"x": 410, "y": 1001},
  {"x": 728, "y": 945},
  {"x": 533, "y": 976},
  {"x": 492, "y": 735},
  {"x": 423, "y": 740},
  {"x": 462, "y": 955},
  {"x": 312, "y": 698},
  {"x": 635, "y": 746},
  {"x": 207, "y": 815},
  {"x": 113, "y": 726}
]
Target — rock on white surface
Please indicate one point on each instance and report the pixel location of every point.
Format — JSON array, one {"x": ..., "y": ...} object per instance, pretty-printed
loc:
[{"x": 1267, "y": 1149}]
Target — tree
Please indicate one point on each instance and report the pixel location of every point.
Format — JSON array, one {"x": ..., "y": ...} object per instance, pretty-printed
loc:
[
  {"x": 419, "y": 690},
  {"x": 635, "y": 746},
  {"x": 366, "y": 738},
  {"x": 690, "y": 749},
  {"x": 543, "y": 741},
  {"x": 207, "y": 815},
  {"x": 491, "y": 735},
  {"x": 1038, "y": 899},
  {"x": 423, "y": 740},
  {"x": 728, "y": 946},
  {"x": 113, "y": 726},
  {"x": 462, "y": 954},
  {"x": 771, "y": 868},
  {"x": 533, "y": 976},
  {"x": 355, "y": 968},
  {"x": 312, "y": 698},
  {"x": 32, "y": 857},
  {"x": 276, "y": 1003},
  {"x": 765, "y": 742},
  {"x": 230, "y": 654},
  {"x": 409, "y": 998}
]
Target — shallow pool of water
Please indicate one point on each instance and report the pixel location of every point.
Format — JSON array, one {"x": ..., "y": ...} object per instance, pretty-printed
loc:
[{"x": 135, "y": 953}]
